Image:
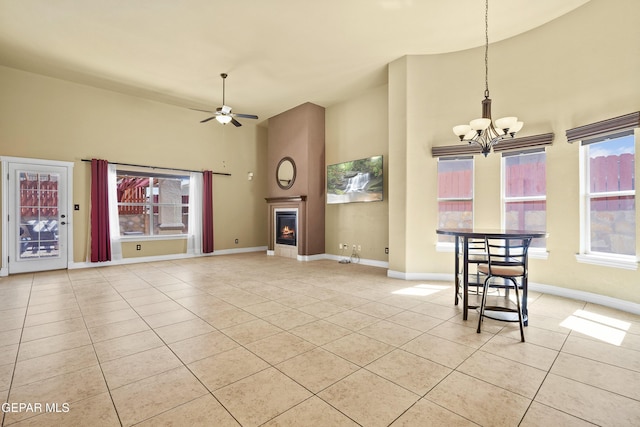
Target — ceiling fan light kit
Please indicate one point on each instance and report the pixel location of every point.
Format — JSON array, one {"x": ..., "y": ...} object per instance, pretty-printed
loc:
[
  {"x": 224, "y": 119},
  {"x": 223, "y": 114},
  {"x": 483, "y": 132}
]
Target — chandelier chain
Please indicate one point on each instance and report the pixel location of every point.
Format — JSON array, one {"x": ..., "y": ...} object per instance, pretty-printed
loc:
[
  {"x": 483, "y": 131},
  {"x": 486, "y": 49}
]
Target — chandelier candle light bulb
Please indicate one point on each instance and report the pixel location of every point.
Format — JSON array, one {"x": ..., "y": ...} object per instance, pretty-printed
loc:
[{"x": 482, "y": 131}]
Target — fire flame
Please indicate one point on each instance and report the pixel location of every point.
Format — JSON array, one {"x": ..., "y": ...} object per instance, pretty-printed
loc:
[{"x": 286, "y": 230}]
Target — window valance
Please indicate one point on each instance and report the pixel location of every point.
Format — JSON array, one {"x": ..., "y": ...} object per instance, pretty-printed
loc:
[
  {"x": 605, "y": 128},
  {"x": 522, "y": 143},
  {"x": 455, "y": 150}
]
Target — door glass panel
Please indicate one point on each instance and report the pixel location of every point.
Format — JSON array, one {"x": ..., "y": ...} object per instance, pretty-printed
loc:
[{"x": 38, "y": 215}]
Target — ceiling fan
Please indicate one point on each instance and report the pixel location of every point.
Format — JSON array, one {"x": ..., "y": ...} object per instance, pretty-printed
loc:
[{"x": 223, "y": 114}]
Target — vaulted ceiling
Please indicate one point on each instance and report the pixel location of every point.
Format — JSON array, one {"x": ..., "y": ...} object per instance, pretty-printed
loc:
[{"x": 278, "y": 53}]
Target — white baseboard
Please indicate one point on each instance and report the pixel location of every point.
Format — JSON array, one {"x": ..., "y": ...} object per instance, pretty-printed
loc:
[
  {"x": 316, "y": 257},
  {"x": 304, "y": 258},
  {"x": 603, "y": 300},
  {"x": 171, "y": 257},
  {"x": 440, "y": 277},
  {"x": 128, "y": 261},
  {"x": 369, "y": 262},
  {"x": 240, "y": 250}
]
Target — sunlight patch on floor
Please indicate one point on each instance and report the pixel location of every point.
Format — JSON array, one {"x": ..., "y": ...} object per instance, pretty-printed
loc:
[
  {"x": 595, "y": 325},
  {"x": 421, "y": 290}
]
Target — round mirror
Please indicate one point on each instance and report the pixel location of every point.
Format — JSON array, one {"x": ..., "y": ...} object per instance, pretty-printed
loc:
[{"x": 286, "y": 173}]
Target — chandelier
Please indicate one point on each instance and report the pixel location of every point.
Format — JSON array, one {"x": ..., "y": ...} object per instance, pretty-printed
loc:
[{"x": 483, "y": 131}]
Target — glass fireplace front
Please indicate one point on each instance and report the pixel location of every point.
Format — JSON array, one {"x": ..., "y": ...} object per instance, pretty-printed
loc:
[{"x": 286, "y": 228}]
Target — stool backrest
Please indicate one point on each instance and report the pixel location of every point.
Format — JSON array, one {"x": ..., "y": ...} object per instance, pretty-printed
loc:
[
  {"x": 477, "y": 246},
  {"x": 507, "y": 251}
]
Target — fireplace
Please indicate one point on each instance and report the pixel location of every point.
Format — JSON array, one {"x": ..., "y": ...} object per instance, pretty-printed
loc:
[{"x": 286, "y": 227}]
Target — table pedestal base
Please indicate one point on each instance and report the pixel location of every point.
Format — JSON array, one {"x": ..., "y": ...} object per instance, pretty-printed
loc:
[{"x": 505, "y": 316}]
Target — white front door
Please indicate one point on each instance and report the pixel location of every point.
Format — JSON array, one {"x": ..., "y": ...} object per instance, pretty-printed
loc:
[{"x": 38, "y": 221}]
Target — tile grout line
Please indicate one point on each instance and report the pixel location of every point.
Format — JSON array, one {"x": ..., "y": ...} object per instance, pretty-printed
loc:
[
  {"x": 238, "y": 286},
  {"x": 174, "y": 353},
  {"x": 270, "y": 365},
  {"x": 104, "y": 378},
  {"x": 15, "y": 363}
]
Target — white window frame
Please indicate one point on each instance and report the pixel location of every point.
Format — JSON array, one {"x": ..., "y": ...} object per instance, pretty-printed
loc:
[
  {"x": 629, "y": 262},
  {"x": 153, "y": 176},
  {"x": 534, "y": 252}
]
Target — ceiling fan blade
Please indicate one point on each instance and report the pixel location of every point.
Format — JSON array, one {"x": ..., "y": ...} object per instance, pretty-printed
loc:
[
  {"x": 245, "y": 116},
  {"x": 223, "y": 114},
  {"x": 204, "y": 111}
]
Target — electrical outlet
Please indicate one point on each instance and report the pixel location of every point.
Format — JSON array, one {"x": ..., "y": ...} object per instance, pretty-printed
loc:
[
  {"x": 339, "y": 246},
  {"x": 237, "y": 241},
  {"x": 354, "y": 247},
  {"x": 359, "y": 248},
  {"x": 138, "y": 247},
  {"x": 386, "y": 251}
]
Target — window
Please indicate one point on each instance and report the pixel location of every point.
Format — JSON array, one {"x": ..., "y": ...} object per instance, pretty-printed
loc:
[
  {"x": 152, "y": 205},
  {"x": 609, "y": 196},
  {"x": 525, "y": 192},
  {"x": 455, "y": 194}
]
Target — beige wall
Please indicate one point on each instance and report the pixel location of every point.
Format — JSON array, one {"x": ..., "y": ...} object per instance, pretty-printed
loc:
[
  {"x": 51, "y": 119},
  {"x": 355, "y": 130},
  {"x": 578, "y": 69}
]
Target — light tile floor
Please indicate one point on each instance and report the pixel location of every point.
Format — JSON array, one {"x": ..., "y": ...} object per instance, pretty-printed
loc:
[{"x": 255, "y": 340}]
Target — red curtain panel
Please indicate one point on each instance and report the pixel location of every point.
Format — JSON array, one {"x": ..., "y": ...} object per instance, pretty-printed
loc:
[
  {"x": 207, "y": 212},
  {"x": 100, "y": 238}
]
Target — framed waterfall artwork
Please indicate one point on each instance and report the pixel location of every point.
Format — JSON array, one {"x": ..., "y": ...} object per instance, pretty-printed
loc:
[{"x": 359, "y": 180}]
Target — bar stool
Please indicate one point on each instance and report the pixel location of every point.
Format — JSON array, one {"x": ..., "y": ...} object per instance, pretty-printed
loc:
[{"x": 507, "y": 259}]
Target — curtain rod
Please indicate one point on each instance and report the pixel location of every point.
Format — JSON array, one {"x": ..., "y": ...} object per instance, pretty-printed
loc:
[{"x": 160, "y": 167}]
